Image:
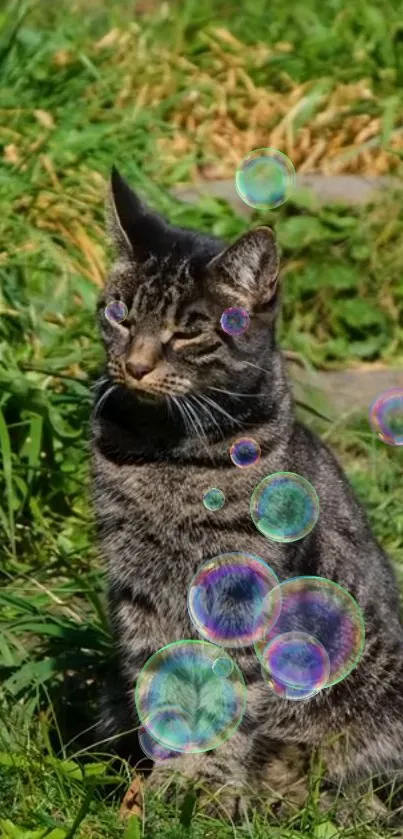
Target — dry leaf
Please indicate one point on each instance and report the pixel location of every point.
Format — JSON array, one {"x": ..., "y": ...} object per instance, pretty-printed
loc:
[
  {"x": 109, "y": 39},
  {"x": 62, "y": 58},
  {"x": 132, "y": 804},
  {"x": 45, "y": 118},
  {"x": 11, "y": 154}
]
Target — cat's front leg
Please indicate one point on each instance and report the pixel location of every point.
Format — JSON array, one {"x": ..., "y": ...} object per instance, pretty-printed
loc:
[{"x": 221, "y": 779}]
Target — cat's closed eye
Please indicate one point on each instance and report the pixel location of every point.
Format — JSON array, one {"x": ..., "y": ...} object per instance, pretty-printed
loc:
[{"x": 186, "y": 335}]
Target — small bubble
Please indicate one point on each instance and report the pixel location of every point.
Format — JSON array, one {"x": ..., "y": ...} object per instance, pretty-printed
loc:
[
  {"x": 297, "y": 660},
  {"x": 265, "y": 178},
  {"x": 245, "y": 452},
  {"x": 116, "y": 311},
  {"x": 222, "y": 667},
  {"x": 386, "y": 416},
  {"x": 213, "y": 499},
  {"x": 234, "y": 321}
]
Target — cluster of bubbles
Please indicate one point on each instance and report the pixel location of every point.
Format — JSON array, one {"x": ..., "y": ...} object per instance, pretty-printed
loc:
[
  {"x": 244, "y": 452},
  {"x": 307, "y": 632}
]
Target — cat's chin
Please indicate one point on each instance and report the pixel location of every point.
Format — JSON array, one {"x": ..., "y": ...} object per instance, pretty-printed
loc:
[{"x": 149, "y": 398}]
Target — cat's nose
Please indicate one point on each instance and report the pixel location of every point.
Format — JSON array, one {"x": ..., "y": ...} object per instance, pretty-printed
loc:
[{"x": 138, "y": 371}]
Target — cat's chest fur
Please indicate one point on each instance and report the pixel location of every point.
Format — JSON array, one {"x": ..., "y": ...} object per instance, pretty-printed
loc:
[{"x": 168, "y": 533}]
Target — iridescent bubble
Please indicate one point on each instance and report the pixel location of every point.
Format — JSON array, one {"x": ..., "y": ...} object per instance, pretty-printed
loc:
[
  {"x": 116, "y": 311},
  {"x": 222, "y": 666},
  {"x": 323, "y": 609},
  {"x": 183, "y": 704},
  {"x": 285, "y": 691},
  {"x": 227, "y": 599},
  {"x": 284, "y": 507},
  {"x": 245, "y": 452},
  {"x": 265, "y": 179},
  {"x": 234, "y": 320},
  {"x": 386, "y": 416},
  {"x": 297, "y": 660},
  {"x": 153, "y": 749},
  {"x": 213, "y": 499}
]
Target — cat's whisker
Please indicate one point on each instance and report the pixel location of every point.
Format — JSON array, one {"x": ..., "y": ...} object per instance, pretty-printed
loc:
[
  {"x": 235, "y": 394},
  {"x": 222, "y": 411},
  {"x": 197, "y": 423},
  {"x": 103, "y": 399},
  {"x": 185, "y": 416},
  {"x": 99, "y": 383},
  {"x": 168, "y": 398},
  {"x": 258, "y": 367},
  {"x": 206, "y": 409}
]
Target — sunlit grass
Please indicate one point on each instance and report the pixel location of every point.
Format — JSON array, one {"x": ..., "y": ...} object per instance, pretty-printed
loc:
[{"x": 85, "y": 85}]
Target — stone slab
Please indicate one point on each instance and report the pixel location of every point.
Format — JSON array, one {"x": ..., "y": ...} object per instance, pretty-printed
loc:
[
  {"x": 345, "y": 391},
  {"x": 332, "y": 189}
]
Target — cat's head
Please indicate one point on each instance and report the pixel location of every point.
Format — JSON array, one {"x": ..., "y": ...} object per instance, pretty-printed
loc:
[{"x": 175, "y": 285}]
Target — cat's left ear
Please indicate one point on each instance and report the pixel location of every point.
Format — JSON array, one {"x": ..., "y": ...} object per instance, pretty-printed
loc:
[
  {"x": 246, "y": 273},
  {"x": 134, "y": 229}
]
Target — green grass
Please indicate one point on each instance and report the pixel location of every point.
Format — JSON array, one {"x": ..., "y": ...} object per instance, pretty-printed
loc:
[{"x": 62, "y": 125}]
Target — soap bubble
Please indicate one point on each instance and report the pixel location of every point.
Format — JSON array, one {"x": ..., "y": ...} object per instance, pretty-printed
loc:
[
  {"x": 116, "y": 311},
  {"x": 245, "y": 452},
  {"x": 153, "y": 749},
  {"x": 227, "y": 599},
  {"x": 222, "y": 666},
  {"x": 183, "y": 704},
  {"x": 213, "y": 499},
  {"x": 284, "y": 507},
  {"x": 386, "y": 416},
  {"x": 234, "y": 320},
  {"x": 324, "y": 610},
  {"x": 265, "y": 179},
  {"x": 297, "y": 660}
]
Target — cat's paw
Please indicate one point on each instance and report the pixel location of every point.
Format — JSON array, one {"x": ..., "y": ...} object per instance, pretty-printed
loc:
[{"x": 216, "y": 797}]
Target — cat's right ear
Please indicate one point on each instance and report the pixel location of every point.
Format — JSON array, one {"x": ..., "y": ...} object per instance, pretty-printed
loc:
[{"x": 132, "y": 227}]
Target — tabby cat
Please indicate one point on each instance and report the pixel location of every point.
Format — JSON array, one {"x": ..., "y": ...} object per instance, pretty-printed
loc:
[{"x": 178, "y": 390}]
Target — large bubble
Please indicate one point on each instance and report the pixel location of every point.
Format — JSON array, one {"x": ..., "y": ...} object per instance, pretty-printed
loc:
[
  {"x": 386, "y": 416},
  {"x": 284, "y": 506},
  {"x": 227, "y": 599},
  {"x": 265, "y": 179},
  {"x": 327, "y": 612},
  {"x": 184, "y": 705}
]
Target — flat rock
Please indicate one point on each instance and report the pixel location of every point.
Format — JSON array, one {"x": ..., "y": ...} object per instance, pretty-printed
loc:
[{"x": 332, "y": 189}]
